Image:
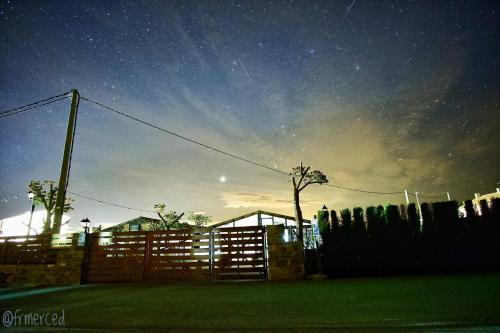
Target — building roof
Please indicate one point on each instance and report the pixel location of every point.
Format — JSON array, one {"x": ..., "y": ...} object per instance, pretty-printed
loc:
[
  {"x": 145, "y": 220},
  {"x": 138, "y": 220},
  {"x": 262, "y": 212},
  {"x": 487, "y": 197},
  {"x": 476, "y": 201}
]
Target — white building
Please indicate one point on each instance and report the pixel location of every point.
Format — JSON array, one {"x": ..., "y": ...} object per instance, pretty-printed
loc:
[
  {"x": 476, "y": 202},
  {"x": 263, "y": 218},
  {"x": 18, "y": 225}
]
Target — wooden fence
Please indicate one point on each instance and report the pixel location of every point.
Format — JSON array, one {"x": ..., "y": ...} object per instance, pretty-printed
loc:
[
  {"x": 39, "y": 249},
  {"x": 191, "y": 254},
  {"x": 239, "y": 253},
  {"x": 223, "y": 253}
]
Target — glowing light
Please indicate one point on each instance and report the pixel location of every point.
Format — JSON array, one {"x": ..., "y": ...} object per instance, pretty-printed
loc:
[
  {"x": 222, "y": 179},
  {"x": 18, "y": 225}
]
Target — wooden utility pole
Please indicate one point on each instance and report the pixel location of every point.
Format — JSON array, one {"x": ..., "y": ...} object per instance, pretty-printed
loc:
[{"x": 66, "y": 162}]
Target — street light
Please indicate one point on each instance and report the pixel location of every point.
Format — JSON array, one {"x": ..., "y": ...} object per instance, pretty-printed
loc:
[
  {"x": 31, "y": 196},
  {"x": 85, "y": 224}
]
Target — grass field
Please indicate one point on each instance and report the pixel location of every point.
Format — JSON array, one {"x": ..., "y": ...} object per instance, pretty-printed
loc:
[{"x": 447, "y": 302}]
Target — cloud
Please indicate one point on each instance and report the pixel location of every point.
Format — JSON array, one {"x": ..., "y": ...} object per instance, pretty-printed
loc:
[{"x": 261, "y": 201}]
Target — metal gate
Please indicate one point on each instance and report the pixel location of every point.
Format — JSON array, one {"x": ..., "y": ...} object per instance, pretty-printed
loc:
[{"x": 193, "y": 254}]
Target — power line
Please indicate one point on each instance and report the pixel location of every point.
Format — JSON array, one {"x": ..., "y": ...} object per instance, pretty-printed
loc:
[
  {"x": 56, "y": 98},
  {"x": 5, "y": 114},
  {"x": 185, "y": 138},
  {"x": 362, "y": 191},
  {"x": 223, "y": 152},
  {"x": 62, "y": 96},
  {"x": 34, "y": 103},
  {"x": 109, "y": 203},
  {"x": 428, "y": 196},
  {"x": 433, "y": 195}
]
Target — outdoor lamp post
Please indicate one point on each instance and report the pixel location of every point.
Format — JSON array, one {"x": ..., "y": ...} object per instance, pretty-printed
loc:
[
  {"x": 85, "y": 224},
  {"x": 85, "y": 264},
  {"x": 31, "y": 196},
  {"x": 324, "y": 220}
]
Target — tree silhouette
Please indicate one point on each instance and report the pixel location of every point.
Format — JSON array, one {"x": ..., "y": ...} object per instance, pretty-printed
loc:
[
  {"x": 199, "y": 220},
  {"x": 334, "y": 220},
  {"x": 371, "y": 221},
  {"x": 392, "y": 217},
  {"x": 427, "y": 225},
  {"x": 358, "y": 224},
  {"x": 397, "y": 244},
  {"x": 301, "y": 178},
  {"x": 346, "y": 217},
  {"x": 381, "y": 224},
  {"x": 169, "y": 219},
  {"x": 484, "y": 208},
  {"x": 323, "y": 224},
  {"x": 45, "y": 194},
  {"x": 470, "y": 212},
  {"x": 413, "y": 222}
]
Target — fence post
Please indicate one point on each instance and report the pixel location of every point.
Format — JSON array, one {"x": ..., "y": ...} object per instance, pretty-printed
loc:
[
  {"x": 264, "y": 248},
  {"x": 4, "y": 251},
  {"x": 147, "y": 254},
  {"x": 239, "y": 250},
  {"x": 211, "y": 253},
  {"x": 86, "y": 258},
  {"x": 74, "y": 240}
]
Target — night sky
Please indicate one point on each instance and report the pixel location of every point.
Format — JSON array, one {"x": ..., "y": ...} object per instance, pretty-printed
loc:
[{"x": 379, "y": 95}]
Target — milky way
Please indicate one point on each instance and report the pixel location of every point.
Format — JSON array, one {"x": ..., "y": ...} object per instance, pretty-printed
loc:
[{"x": 379, "y": 95}]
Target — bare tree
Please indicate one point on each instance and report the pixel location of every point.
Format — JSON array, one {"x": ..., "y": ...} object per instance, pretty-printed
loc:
[
  {"x": 301, "y": 177},
  {"x": 169, "y": 219},
  {"x": 45, "y": 194}
]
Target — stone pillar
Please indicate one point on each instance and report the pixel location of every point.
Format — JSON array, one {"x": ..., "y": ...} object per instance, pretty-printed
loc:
[{"x": 286, "y": 260}]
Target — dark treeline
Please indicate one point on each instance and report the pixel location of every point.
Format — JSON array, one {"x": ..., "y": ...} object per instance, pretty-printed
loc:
[{"x": 391, "y": 239}]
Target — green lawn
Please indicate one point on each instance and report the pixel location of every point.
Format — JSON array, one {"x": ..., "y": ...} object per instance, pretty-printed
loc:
[{"x": 375, "y": 304}]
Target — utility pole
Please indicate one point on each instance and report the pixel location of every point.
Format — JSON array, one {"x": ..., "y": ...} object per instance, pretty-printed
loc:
[
  {"x": 31, "y": 219},
  {"x": 448, "y": 195},
  {"x": 407, "y": 198},
  {"x": 419, "y": 209},
  {"x": 66, "y": 162}
]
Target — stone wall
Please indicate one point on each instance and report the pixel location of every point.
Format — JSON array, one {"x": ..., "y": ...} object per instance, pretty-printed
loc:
[
  {"x": 286, "y": 260},
  {"x": 66, "y": 271}
]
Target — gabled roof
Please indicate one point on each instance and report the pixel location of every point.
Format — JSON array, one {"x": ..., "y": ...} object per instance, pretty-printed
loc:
[
  {"x": 138, "y": 220},
  {"x": 262, "y": 212}
]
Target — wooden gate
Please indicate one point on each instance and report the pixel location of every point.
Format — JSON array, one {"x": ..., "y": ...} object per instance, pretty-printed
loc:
[
  {"x": 193, "y": 254},
  {"x": 239, "y": 253},
  {"x": 178, "y": 255}
]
